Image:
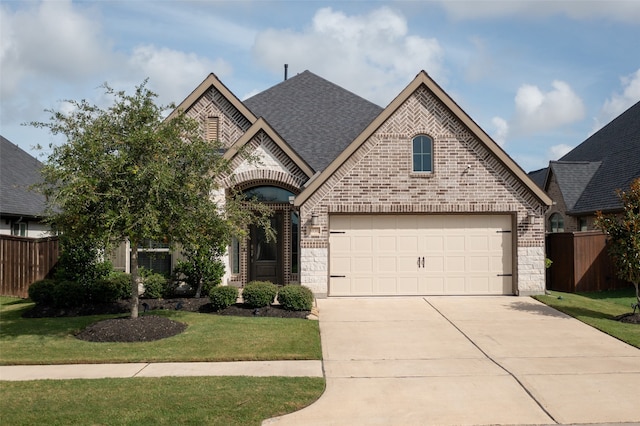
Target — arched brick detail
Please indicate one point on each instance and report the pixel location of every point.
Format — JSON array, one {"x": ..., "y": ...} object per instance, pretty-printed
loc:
[{"x": 256, "y": 177}]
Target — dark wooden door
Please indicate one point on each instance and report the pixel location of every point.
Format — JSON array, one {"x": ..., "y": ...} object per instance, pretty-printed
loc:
[{"x": 265, "y": 262}]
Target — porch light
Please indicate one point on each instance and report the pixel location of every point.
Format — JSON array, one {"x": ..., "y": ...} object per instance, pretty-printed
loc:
[
  {"x": 314, "y": 219},
  {"x": 531, "y": 218}
]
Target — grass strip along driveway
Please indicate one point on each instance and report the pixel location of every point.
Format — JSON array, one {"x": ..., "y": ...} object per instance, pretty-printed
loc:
[
  {"x": 155, "y": 401},
  {"x": 599, "y": 310},
  {"x": 208, "y": 338}
]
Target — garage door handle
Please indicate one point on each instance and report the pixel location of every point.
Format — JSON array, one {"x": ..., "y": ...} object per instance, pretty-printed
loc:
[
  {"x": 505, "y": 275},
  {"x": 418, "y": 261},
  {"x": 337, "y": 276},
  {"x": 423, "y": 262}
]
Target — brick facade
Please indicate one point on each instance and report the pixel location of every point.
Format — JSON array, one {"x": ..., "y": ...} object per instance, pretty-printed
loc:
[{"x": 467, "y": 178}]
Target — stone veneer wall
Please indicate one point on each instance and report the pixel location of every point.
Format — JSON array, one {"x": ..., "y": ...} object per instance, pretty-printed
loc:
[{"x": 378, "y": 178}]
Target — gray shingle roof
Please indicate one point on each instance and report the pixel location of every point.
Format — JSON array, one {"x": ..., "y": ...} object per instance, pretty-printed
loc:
[
  {"x": 573, "y": 177},
  {"x": 317, "y": 118},
  {"x": 617, "y": 147},
  {"x": 539, "y": 176},
  {"x": 19, "y": 170}
]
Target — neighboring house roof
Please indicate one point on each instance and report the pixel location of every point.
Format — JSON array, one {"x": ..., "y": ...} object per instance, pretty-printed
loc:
[
  {"x": 539, "y": 176},
  {"x": 423, "y": 79},
  {"x": 317, "y": 118},
  {"x": 18, "y": 171},
  {"x": 608, "y": 160},
  {"x": 573, "y": 177}
]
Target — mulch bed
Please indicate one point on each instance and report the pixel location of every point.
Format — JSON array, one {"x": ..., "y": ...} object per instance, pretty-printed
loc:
[
  {"x": 629, "y": 318},
  {"x": 148, "y": 327}
]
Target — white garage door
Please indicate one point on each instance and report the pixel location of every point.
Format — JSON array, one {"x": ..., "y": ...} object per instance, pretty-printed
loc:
[{"x": 420, "y": 254}]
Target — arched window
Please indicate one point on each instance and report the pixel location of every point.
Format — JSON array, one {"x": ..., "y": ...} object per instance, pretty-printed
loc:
[
  {"x": 557, "y": 222},
  {"x": 422, "y": 154},
  {"x": 268, "y": 194}
]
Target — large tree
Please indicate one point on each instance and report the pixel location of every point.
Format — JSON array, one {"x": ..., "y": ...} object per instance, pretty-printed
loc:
[
  {"x": 624, "y": 235},
  {"x": 127, "y": 173}
]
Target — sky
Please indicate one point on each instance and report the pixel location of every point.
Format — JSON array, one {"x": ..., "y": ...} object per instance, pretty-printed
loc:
[{"x": 538, "y": 76}]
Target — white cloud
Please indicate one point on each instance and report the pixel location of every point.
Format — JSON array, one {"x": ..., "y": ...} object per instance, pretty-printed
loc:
[
  {"x": 620, "y": 102},
  {"x": 49, "y": 39},
  {"x": 558, "y": 151},
  {"x": 501, "y": 130},
  {"x": 344, "y": 48},
  {"x": 538, "y": 111},
  {"x": 614, "y": 10},
  {"x": 172, "y": 82}
]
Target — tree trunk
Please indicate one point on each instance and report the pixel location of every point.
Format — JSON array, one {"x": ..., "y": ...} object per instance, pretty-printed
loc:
[
  {"x": 637, "y": 286},
  {"x": 134, "y": 279}
]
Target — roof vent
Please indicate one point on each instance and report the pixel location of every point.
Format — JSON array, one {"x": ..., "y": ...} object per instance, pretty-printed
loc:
[{"x": 286, "y": 71}]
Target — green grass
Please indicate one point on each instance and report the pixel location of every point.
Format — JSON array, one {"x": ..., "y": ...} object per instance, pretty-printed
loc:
[
  {"x": 599, "y": 310},
  {"x": 207, "y": 338},
  {"x": 155, "y": 401}
]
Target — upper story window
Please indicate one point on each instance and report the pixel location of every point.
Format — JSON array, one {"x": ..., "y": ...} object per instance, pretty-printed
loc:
[
  {"x": 583, "y": 224},
  {"x": 422, "y": 154},
  {"x": 19, "y": 229},
  {"x": 556, "y": 222}
]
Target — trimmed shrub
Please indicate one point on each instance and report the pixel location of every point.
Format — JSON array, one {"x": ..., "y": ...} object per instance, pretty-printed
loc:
[
  {"x": 223, "y": 296},
  {"x": 295, "y": 297},
  {"x": 258, "y": 294},
  {"x": 69, "y": 294},
  {"x": 115, "y": 287},
  {"x": 155, "y": 286},
  {"x": 41, "y": 292}
]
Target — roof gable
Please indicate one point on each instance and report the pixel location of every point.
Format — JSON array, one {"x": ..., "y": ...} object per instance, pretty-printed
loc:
[
  {"x": 422, "y": 79},
  {"x": 262, "y": 126},
  {"x": 213, "y": 82},
  {"x": 18, "y": 171},
  {"x": 317, "y": 118},
  {"x": 617, "y": 147}
]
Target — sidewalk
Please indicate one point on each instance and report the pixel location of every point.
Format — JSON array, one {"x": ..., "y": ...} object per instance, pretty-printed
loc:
[{"x": 98, "y": 371}]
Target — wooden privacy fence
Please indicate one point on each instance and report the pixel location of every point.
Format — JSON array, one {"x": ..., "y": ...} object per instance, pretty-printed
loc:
[
  {"x": 25, "y": 260},
  {"x": 581, "y": 263}
]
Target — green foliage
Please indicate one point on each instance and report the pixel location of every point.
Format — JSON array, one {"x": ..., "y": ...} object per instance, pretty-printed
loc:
[
  {"x": 41, "y": 292},
  {"x": 547, "y": 263},
  {"x": 624, "y": 236},
  {"x": 155, "y": 286},
  {"x": 258, "y": 294},
  {"x": 128, "y": 172},
  {"x": 80, "y": 261},
  {"x": 294, "y": 297},
  {"x": 115, "y": 287},
  {"x": 68, "y": 294},
  {"x": 223, "y": 297},
  {"x": 201, "y": 273}
]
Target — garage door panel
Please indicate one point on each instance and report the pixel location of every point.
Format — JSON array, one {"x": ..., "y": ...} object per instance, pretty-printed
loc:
[
  {"x": 455, "y": 243},
  {"x": 387, "y": 264},
  {"x": 455, "y": 264},
  {"x": 362, "y": 285},
  {"x": 407, "y": 243},
  {"x": 407, "y": 285},
  {"x": 478, "y": 264},
  {"x": 382, "y": 254},
  {"x": 362, "y": 265}
]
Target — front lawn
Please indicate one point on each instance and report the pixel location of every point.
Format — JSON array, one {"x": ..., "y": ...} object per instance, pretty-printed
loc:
[
  {"x": 208, "y": 338},
  {"x": 156, "y": 401},
  {"x": 599, "y": 310}
]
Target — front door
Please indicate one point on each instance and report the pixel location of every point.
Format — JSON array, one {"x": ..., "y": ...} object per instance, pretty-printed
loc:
[{"x": 265, "y": 257}]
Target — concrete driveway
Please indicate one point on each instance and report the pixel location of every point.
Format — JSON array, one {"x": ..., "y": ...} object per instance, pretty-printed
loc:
[{"x": 467, "y": 360}]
